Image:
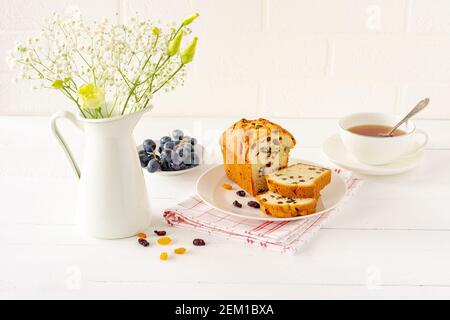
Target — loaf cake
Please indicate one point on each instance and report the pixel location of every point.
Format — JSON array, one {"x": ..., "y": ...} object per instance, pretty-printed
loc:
[
  {"x": 299, "y": 181},
  {"x": 284, "y": 207},
  {"x": 253, "y": 148}
]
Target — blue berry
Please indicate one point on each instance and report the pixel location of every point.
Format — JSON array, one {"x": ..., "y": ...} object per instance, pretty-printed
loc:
[
  {"x": 165, "y": 165},
  {"x": 175, "y": 166},
  {"x": 195, "y": 159},
  {"x": 183, "y": 166},
  {"x": 144, "y": 161},
  {"x": 169, "y": 145},
  {"x": 142, "y": 152},
  {"x": 179, "y": 152},
  {"x": 167, "y": 155},
  {"x": 184, "y": 152},
  {"x": 163, "y": 140},
  {"x": 149, "y": 145},
  {"x": 153, "y": 166},
  {"x": 176, "y": 159},
  {"x": 177, "y": 134}
]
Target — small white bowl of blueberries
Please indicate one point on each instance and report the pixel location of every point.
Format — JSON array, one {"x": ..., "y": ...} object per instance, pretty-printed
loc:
[{"x": 170, "y": 155}]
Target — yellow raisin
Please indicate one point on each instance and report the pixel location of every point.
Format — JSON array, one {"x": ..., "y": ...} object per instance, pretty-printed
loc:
[
  {"x": 164, "y": 241},
  {"x": 227, "y": 186},
  {"x": 141, "y": 235},
  {"x": 164, "y": 256},
  {"x": 180, "y": 250}
]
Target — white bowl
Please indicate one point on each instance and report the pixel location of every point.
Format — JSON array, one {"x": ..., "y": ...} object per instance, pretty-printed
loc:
[{"x": 199, "y": 149}]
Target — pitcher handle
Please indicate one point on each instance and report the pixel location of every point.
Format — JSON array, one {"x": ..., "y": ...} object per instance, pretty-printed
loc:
[{"x": 70, "y": 116}]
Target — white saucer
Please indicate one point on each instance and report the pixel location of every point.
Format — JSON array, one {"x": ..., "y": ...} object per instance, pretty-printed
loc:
[{"x": 334, "y": 149}]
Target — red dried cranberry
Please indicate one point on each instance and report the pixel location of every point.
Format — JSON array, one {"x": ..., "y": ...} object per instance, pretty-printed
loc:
[
  {"x": 241, "y": 193},
  {"x": 199, "y": 242},
  {"x": 253, "y": 204},
  {"x": 160, "y": 233},
  {"x": 143, "y": 242},
  {"x": 237, "y": 204}
]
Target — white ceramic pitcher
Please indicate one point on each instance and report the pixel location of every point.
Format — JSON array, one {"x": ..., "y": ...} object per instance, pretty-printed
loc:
[{"x": 112, "y": 198}]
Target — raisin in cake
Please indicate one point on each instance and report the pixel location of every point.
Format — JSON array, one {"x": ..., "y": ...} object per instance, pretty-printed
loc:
[
  {"x": 299, "y": 181},
  {"x": 253, "y": 148},
  {"x": 284, "y": 207}
]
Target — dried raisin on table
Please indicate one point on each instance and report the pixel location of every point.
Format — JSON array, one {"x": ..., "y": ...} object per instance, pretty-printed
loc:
[
  {"x": 237, "y": 204},
  {"x": 254, "y": 204},
  {"x": 164, "y": 256},
  {"x": 164, "y": 241},
  {"x": 142, "y": 235},
  {"x": 227, "y": 186},
  {"x": 143, "y": 242},
  {"x": 160, "y": 233},
  {"x": 199, "y": 242},
  {"x": 241, "y": 193},
  {"x": 180, "y": 250}
]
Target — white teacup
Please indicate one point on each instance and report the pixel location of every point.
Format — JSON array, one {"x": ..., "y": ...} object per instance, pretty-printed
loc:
[{"x": 380, "y": 150}]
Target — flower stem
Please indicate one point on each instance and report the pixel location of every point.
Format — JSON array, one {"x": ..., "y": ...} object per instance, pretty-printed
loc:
[
  {"x": 168, "y": 79},
  {"x": 67, "y": 93}
]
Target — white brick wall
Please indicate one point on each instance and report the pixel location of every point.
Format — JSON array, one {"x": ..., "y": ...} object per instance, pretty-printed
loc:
[{"x": 285, "y": 58}]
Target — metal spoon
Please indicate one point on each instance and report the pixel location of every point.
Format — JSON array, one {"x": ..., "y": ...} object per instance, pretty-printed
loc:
[{"x": 419, "y": 107}]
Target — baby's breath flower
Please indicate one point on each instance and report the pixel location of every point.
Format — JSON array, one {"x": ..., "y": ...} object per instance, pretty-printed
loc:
[{"x": 123, "y": 64}]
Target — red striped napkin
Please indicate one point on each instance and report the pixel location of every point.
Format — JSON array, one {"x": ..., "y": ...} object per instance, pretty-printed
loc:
[{"x": 284, "y": 236}]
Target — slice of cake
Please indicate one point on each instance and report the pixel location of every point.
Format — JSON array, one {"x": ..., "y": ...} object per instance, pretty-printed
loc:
[
  {"x": 284, "y": 207},
  {"x": 253, "y": 148},
  {"x": 299, "y": 181}
]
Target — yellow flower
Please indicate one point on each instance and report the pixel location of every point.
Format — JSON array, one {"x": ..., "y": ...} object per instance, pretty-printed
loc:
[
  {"x": 190, "y": 19},
  {"x": 174, "y": 45},
  {"x": 93, "y": 97},
  {"x": 57, "y": 84},
  {"x": 187, "y": 55},
  {"x": 155, "y": 31}
]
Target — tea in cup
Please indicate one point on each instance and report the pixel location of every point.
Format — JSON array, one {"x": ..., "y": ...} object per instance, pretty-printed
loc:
[{"x": 364, "y": 136}]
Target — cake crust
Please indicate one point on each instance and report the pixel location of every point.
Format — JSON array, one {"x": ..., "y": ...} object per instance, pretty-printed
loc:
[
  {"x": 250, "y": 147},
  {"x": 296, "y": 189},
  {"x": 283, "y": 207}
]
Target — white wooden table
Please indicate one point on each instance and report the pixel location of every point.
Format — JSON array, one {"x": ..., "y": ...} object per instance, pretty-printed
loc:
[{"x": 392, "y": 240}]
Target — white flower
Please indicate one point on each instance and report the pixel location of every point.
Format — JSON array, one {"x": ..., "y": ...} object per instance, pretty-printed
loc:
[{"x": 128, "y": 61}]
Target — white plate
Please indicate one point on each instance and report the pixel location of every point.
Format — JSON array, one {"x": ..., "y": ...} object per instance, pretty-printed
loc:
[
  {"x": 210, "y": 190},
  {"x": 199, "y": 149},
  {"x": 334, "y": 149}
]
